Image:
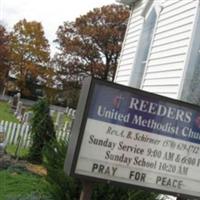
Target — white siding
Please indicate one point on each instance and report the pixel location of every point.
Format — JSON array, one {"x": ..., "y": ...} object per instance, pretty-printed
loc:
[
  {"x": 130, "y": 43},
  {"x": 170, "y": 46}
]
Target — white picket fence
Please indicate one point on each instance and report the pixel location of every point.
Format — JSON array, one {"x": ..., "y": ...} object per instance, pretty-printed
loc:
[{"x": 20, "y": 133}]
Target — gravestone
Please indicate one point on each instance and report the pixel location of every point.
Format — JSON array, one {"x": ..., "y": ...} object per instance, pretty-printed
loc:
[
  {"x": 24, "y": 119},
  {"x": 27, "y": 117},
  {"x": 23, "y": 111},
  {"x": 18, "y": 111},
  {"x": 70, "y": 112},
  {"x": 14, "y": 102}
]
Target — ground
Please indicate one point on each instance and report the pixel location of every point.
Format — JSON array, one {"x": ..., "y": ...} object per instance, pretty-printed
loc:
[
  {"x": 7, "y": 160},
  {"x": 20, "y": 178}
]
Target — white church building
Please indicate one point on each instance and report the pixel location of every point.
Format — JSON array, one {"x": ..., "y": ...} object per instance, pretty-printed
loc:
[{"x": 161, "y": 48}]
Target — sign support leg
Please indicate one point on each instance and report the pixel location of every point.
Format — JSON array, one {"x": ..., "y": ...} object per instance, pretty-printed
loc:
[{"x": 86, "y": 191}]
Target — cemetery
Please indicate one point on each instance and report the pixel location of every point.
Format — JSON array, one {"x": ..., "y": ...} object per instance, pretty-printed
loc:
[
  {"x": 15, "y": 140},
  {"x": 14, "y": 130}
]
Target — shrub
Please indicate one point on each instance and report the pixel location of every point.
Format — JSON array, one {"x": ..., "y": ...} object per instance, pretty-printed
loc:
[
  {"x": 31, "y": 196},
  {"x": 17, "y": 183},
  {"x": 42, "y": 130},
  {"x": 68, "y": 188},
  {"x": 64, "y": 187}
]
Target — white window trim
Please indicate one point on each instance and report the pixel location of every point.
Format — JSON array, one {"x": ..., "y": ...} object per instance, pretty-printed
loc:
[
  {"x": 149, "y": 5},
  {"x": 148, "y": 8},
  {"x": 180, "y": 94}
]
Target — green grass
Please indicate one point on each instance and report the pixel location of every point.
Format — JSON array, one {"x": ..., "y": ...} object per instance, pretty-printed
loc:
[
  {"x": 6, "y": 113},
  {"x": 22, "y": 152},
  {"x": 19, "y": 183}
]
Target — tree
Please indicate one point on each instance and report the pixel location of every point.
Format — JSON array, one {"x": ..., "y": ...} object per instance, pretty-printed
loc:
[
  {"x": 30, "y": 55},
  {"x": 42, "y": 130},
  {"x": 91, "y": 45},
  {"x": 4, "y": 56}
]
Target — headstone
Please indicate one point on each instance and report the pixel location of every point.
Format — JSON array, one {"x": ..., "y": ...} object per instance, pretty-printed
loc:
[
  {"x": 27, "y": 117},
  {"x": 14, "y": 102},
  {"x": 18, "y": 112},
  {"x": 23, "y": 112},
  {"x": 70, "y": 112},
  {"x": 24, "y": 119}
]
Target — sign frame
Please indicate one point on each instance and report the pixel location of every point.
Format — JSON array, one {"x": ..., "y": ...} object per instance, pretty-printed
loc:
[{"x": 79, "y": 125}]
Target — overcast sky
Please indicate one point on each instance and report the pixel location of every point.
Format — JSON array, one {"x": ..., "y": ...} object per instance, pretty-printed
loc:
[{"x": 51, "y": 13}]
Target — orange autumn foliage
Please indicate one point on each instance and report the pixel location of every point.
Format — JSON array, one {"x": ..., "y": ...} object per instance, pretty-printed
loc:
[
  {"x": 91, "y": 45},
  {"x": 30, "y": 53},
  {"x": 4, "y": 55}
]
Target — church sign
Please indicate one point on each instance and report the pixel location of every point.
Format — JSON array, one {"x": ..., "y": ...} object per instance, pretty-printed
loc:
[{"x": 128, "y": 136}]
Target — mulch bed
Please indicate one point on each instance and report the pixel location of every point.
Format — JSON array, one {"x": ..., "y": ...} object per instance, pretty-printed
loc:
[{"x": 7, "y": 161}]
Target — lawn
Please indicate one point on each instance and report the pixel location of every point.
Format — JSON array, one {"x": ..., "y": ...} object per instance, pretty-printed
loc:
[
  {"x": 6, "y": 113},
  {"x": 22, "y": 180},
  {"x": 17, "y": 183},
  {"x": 26, "y": 181},
  {"x": 21, "y": 153}
]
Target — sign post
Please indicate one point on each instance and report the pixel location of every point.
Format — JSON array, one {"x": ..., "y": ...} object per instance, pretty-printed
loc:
[
  {"x": 130, "y": 137},
  {"x": 86, "y": 191}
]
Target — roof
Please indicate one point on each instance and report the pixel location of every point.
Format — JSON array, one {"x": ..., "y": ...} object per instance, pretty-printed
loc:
[{"x": 127, "y": 2}]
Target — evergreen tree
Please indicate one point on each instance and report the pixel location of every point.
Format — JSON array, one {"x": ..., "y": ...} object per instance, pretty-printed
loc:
[{"x": 42, "y": 130}]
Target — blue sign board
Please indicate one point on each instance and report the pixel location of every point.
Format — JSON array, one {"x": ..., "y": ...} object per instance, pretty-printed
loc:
[{"x": 147, "y": 113}]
